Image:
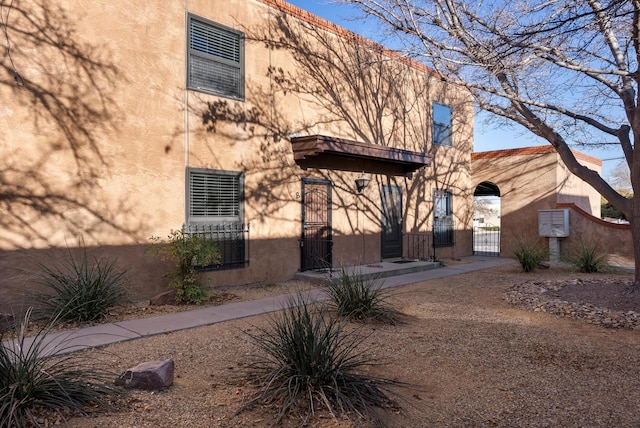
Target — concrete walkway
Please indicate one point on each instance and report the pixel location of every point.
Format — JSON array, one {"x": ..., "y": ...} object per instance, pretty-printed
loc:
[{"x": 105, "y": 334}]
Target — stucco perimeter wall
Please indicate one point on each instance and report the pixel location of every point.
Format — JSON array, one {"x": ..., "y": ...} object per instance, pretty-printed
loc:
[
  {"x": 531, "y": 179},
  {"x": 610, "y": 238},
  {"x": 527, "y": 183},
  {"x": 574, "y": 190},
  {"x": 101, "y": 131}
]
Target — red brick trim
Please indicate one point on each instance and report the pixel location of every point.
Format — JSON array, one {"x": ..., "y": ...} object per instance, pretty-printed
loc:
[
  {"x": 318, "y": 22},
  {"x": 527, "y": 151},
  {"x": 522, "y": 151}
]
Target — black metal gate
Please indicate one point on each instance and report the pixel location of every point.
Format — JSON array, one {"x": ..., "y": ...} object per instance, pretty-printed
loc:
[
  {"x": 316, "y": 242},
  {"x": 486, "y": 240},
  {"x": 391, "y": 222}
]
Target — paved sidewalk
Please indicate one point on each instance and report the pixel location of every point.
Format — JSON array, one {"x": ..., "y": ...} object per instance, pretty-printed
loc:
[{"x": 105, "y": 334}]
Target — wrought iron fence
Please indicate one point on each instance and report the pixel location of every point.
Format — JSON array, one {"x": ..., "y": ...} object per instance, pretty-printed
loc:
[
  {"x": 232, "y": 240},
  {"x": 443, "y": 235},
  {"x": 418, "y": 245},
  {"x": 486, "y": 241}
]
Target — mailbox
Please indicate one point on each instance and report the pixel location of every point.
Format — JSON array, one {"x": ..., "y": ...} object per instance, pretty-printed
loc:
[{"x": 553, "y": 223}]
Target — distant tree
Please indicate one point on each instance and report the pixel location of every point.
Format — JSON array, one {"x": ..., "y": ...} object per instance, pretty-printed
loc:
[
  {"x": 566, "y": 70},
  {"x": 609, "y": 211},
  {"x": 620, "y": 178}
]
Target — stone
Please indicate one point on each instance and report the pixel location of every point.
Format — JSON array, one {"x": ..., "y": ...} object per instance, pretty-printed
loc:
[
  {"x": 165, "y": 298},
  {"x": 150, "y": 375}
]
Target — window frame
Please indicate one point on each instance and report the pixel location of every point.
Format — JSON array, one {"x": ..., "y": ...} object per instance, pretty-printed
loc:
[
  {"x": 200, "y": 220},
  {"x": 240, "y": 65},
  {"x": 439, "y": 128}
]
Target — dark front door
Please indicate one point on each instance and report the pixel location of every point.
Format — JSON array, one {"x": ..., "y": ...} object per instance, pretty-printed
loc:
[
  {"x": 316, "y": 239},
  {"x": 391, "y": 222}
]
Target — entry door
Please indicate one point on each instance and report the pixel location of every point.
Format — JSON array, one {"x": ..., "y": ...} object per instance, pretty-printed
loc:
[
  {"x": 316, "y": 242},
  {"x": 391, "y": 222}
]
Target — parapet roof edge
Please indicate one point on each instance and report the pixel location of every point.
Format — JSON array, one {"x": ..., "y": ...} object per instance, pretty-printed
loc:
[
  {"x": 315, "y": 20},
  {"x": 533, "y": 150}
]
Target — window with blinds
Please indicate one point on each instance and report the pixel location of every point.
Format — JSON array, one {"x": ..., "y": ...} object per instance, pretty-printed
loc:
[
  {"x": 442, "y": 132},
  {"x": 215, "y": 58},
  {"x": 214, "y": 196}
]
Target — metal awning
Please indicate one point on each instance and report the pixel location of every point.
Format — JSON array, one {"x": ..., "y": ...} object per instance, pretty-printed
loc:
[{"x": 322, "y": 152}]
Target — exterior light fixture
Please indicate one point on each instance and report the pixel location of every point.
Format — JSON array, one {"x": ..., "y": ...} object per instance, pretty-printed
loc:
[{"x": 362, "y": 182}]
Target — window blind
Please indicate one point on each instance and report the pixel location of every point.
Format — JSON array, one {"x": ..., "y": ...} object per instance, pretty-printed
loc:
[
  {"x": 215, "y": 59},
  {"x": 214, "y": 195}
]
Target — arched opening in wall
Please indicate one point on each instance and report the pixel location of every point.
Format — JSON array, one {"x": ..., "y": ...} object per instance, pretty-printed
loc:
[{"x": 486, "y": 220}]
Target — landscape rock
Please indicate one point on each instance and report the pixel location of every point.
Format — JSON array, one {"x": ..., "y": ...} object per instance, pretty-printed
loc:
[
  {"x": 541, "y": 297},
  {"x": 165, "y": 298},
  {"x": 153, "y": 375}
]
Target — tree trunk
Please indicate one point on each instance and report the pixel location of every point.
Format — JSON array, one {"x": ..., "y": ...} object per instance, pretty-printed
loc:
[
  {"x": 635, "y": 234},
  {"x": 635, "y": 216}
]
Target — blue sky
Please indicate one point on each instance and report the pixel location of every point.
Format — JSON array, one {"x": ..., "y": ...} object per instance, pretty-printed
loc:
[{"x": 485, "y": 138}]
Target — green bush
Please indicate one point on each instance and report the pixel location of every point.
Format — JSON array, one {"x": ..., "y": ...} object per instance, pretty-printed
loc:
[
  {"x": 187, "y": 251},
  {"x": 308, "y": 362},
  {"x": 34, "y": 380},
  {"x": 529, "y": 253},
  {"x": 589, "y": 257},
  {"x": 80, "y": 288},
  {"x": 359, "y": 298}
]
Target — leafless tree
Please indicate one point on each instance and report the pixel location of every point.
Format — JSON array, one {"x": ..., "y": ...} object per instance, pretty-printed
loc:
[
  {"x": 566, "y": 70},
  {"x": 620, "y": 178}
]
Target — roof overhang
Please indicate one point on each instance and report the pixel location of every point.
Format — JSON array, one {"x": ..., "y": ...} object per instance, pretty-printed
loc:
[{"x": 322, "y": 152}]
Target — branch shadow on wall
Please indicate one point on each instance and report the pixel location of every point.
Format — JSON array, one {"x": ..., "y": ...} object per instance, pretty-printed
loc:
[
  {"x": 344, "y": 86},
  {"x": 60, "y": 90}
]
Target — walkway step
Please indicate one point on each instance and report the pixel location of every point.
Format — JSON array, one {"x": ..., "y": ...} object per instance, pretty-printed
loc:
[{"x": 368, "y": 272}]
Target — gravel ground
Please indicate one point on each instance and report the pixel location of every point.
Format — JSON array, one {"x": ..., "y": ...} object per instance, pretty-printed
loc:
[{"x": 473, "y": 359}]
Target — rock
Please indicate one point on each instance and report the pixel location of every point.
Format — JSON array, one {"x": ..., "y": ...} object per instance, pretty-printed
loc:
[
  {"x": 154, "y": 375},
  {"x": 544, "y": 265},
  {"x": 166, "y": 298}
]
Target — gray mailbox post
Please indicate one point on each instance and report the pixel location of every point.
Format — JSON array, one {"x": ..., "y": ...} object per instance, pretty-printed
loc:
[{"x": 553, "y": 224}]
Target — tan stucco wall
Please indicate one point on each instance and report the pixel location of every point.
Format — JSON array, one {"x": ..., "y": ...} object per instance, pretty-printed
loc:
[
  {"x": 101, "y": 133},
  {"x": 608, "y": 238},
  {"x": 531, "y": 179}
]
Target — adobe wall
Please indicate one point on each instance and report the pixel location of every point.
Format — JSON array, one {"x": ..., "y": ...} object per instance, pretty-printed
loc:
[
  {"x": 574, "y": 190},
  {"x": 611, "y": 238},
  {"x": 531, "y": 179},
  {"x": 102, "y": 131},
  {"x": 527, "y": 183}
]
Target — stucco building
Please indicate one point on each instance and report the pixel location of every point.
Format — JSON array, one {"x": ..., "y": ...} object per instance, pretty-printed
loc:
[
  {"x": 530, "y": 179},
  {"x": 248, "y": 119}
]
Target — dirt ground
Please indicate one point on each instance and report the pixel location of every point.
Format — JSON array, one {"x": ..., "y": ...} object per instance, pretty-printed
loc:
[{"x": 472, "y": 360}]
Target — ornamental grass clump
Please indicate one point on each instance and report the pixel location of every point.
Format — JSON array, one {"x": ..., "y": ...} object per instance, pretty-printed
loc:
[
  {"x": 80, "y": 288},
  {"x": 36, "y": 380},
  {"x": 589, "y": 257},
  {"x": 529, "y": 253},
  {"x": 360, "y": 298},
  {"x": 308, "y": 362}
]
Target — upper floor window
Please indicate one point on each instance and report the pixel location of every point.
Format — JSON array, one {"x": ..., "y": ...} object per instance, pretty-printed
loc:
[
  {"x": 215, "y": 58},
  {"x": 442, "y": 133}
]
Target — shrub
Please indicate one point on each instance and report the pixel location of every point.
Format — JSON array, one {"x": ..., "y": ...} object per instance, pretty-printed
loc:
[
  {"x": 529, "y": 253},
  {"x": 34, "y": 380},
  {"x": 188, "y": 251},
  {"x": 589, "y": 257},
  {"x": 356, "y": 297},
  {"x": 81, "y": 289},
  {"x": 308, "y": 358}
]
